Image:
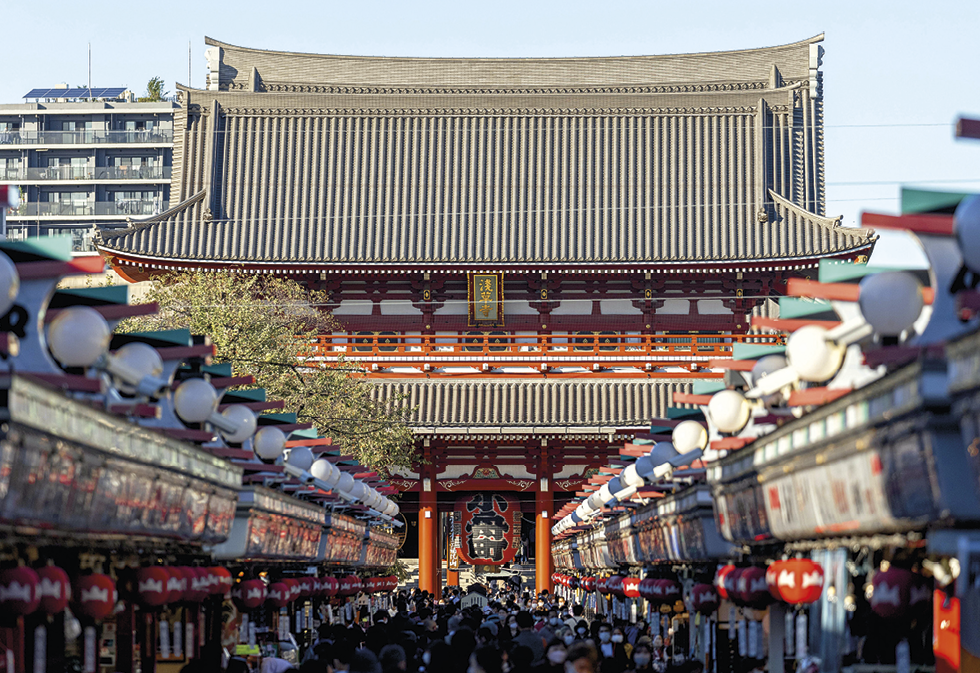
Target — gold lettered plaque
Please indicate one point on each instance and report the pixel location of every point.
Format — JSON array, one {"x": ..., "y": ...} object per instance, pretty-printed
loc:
[{"x": 486, "y": 299}]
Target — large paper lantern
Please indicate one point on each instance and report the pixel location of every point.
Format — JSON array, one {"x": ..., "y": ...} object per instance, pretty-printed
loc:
[
  {"x": 356, "y": 584},
  {"x": 248, "y": 595},
  {"x": 95, "y": 595},
  {"x": 295, "y": 588},
  {"x": 645, "y": 587},
  {"x": 223, "y": 580},
  {"x": 614, "y": 585},
  {"x": 601, "y": 585},
  {"x": 704, "y": 599},
  {"x": 176, "y": 585},
  {"x": 151, "y": 586},
  {"x": 346, "y": 587},
  {"x": 631, "y": 587},
  {"x": 491, "y": 528},
  {"x": 720, "y": 581},
  {"x": 278, "y": 594},
  {"x": 54, "y": 589},
  {"x": 892, "y": 590},
  {"x": 307, "y": 587},
  {"x": 670, "y": 590},
  {"x": 751, "y": 588},
  {"x": 19, "y": 589},
  {"x": 574, "y": 582},
  {"x": 331, "y": 587},
  {"x": 920, "y": 594},
  {"x": 797, "y": 581},
  {"x": 197, "y": 586}
]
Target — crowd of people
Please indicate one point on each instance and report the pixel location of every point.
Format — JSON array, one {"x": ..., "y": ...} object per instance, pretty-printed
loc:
[{"x": 512, "y": 633}]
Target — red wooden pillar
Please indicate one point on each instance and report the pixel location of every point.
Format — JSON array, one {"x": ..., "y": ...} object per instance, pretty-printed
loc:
[
  {"x": 544, "y": 502},
  {"x": 430, "y": 561}
]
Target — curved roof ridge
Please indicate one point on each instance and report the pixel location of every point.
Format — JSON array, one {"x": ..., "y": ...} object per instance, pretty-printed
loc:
[
  {"x": 210, "y": 41},
  {"x": 139, "y": 225},
  {"x": 820, "y": 220}
]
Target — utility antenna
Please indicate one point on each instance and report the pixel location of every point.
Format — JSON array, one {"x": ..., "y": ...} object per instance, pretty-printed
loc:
[
  {"x": 189, "y": 64},
  {"x": 89, "y": 69}
]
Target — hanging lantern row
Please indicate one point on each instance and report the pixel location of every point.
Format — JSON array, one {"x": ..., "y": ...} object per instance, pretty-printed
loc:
[
  {"x": 24, "y": 590},
  {"x": 797, "y": 581}
]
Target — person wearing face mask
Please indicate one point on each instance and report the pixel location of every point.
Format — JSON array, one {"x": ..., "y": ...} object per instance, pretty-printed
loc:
[
  {"x": 565, "y": 635},
  {"x": 618, "y": 639},
  {"x": 610, "y": 649},
  {"x": 581, "y": 630},
  {"x": 554, "y": 658},
  {"x": 642, "y": 658}
]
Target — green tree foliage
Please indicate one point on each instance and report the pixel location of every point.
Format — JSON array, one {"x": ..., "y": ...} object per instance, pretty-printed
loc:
[
  {"x": 154, "y": 91},
  {"x": 265, "y": 327}
]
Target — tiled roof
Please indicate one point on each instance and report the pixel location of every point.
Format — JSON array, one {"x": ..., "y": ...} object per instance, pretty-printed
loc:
[
  {"x": 532, "y": 405},
  {"x": 421, "y": 177}
]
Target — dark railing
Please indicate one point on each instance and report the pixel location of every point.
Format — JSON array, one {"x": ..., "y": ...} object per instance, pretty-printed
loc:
[
  {"x": 87, "y": 173},
  {"x": 83, "y": 209},
  {"x": 89, "y": 137}
]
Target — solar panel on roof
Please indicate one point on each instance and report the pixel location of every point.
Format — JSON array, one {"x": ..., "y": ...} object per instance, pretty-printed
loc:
[{"x": 76, "y": 92}]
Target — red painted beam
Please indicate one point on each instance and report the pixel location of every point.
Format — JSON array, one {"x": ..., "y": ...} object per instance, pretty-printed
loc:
[
  {"x": 800, "y": 287},
  {"x": 919, "y": 223},
  {"x": 690, "y": 398},
  {"x": 790, "y": 325},
  {"x": 799, "y": 398}
]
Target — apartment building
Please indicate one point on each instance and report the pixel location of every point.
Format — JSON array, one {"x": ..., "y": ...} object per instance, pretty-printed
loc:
[{"x": 85, "y": 158}]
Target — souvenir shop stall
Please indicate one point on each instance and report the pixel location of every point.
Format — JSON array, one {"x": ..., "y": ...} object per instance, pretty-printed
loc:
[{"x": 141, "y": 489}]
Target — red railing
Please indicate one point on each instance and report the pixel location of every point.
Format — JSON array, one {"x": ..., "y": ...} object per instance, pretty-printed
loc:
[{"x": 592, "y": 351}]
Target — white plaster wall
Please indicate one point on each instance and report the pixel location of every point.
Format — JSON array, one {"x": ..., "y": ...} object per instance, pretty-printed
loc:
[
  {"x": 353, "y": 307},
  {"x": 518, "y": 307},
  {"x": 573, "y": 306},
  {"x": 618, "y": 307},
  {"x": 712, "y": 307},
  {"x": 674, "y": 307},
  {"x": 398, "y": 307}
]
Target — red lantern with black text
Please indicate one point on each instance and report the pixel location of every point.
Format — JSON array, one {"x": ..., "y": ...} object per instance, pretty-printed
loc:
[
  {"x": 95, "y": 595},
  {"x": 54, "y": 589},
  {"x": 19, "y": 591}
]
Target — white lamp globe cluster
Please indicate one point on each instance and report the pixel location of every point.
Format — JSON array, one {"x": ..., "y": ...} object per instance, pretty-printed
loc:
[{"x": 688, "y": 440}]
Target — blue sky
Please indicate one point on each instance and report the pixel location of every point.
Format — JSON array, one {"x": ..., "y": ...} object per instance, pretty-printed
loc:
[{"x": 896, "y": 74}]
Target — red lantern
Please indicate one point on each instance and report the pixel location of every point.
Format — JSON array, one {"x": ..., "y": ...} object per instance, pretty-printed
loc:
[
  {"x": 614, "y": 586},
  {"x": 307, "y": 587},
  {"x": 670, "y": 591},
  {"x": 645, "y": 587},
  {"x": 797, "y": 581},
  {"x": 19, "y": 590},
  {"x": 198, "y": 587},
  {"x": 704, "y": 598},
  {"x": 222, "y": 582},
  {"x": 588, "y": 583},
  {"x": 331, "y": 587},
  {"x": 574, "y": 582},
  {"x": 631, "y": 587},
  {"x": 248, "y": 595},
  {"x": 95, "y": 595},
  {"x": 278, "y": 594},
  {"x": 294, "y": 589},
  {"x": 356, "y": 585},
  {"x": 176, "y": 585},
  {"x": 722, "y": 585},
  {"x": 751, "y": 588},
  {"x": 600, "y": 585},
  {"x": 151, "y": 586},
  {"x": 54, "y": 589},
  {"x": 892, "y": 592}
]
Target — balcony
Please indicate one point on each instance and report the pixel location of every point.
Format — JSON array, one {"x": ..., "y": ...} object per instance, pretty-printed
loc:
[
  {"x": 645, "y": 354},
  {"x": 129, "y": 207},
  {"x": 90, "y": 137},
  {"x": 87, "y": 173}
]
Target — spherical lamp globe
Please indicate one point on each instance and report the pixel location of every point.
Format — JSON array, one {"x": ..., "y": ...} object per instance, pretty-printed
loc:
[
  {"x": 358, "y": 491},
  {"x": 321, "y": 469},
  {"x": 244, "y": 418},
  {"x": 346, "y": 483},
  {"x": 891, "y": 301},
  {"x": 78, "y": 336},
  {"x": 140, "y": 360},
  {"x": 966, "y": 228},
  {"x": 689, "y": 436},
  {"x": 766, "y": 365},
  {"x": 195, "y": 400},
  {"x": 300, "y": 457},
  {"x": 9, "y": 284},
  {"x": 813, "y": 357},
  {"x": 269, "y": 443},
  {"x": 729, "y": 411}
]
